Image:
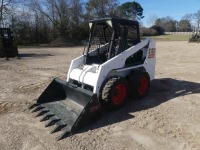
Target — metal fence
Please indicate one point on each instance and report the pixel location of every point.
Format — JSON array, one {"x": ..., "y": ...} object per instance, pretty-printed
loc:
[{"x": 178, "y": 32}]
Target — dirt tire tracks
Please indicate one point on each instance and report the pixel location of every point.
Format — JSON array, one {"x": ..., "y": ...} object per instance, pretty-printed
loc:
[
  {"x": 14, "y": 106},
  {"x": 91, "y": 139},
  {"x": 154, "y": 121}
]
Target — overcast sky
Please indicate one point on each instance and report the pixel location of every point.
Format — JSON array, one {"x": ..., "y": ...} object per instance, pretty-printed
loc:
[{"x": 162, "y": 8}]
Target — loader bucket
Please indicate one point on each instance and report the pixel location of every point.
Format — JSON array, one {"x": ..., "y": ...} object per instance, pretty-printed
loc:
[{"x": 67, "y": 107}]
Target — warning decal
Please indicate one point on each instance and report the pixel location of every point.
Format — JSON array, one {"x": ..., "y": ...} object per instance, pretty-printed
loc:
[{"x": 152, "y": 53}]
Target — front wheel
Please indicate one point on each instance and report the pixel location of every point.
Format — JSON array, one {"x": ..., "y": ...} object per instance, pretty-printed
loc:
[{"x": 114, "y": 93}]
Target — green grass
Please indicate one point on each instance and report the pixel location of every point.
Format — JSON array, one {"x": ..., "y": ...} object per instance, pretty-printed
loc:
[{"x": 172, "y": 37}]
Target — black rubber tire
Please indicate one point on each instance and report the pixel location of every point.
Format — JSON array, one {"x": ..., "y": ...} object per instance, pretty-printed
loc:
[
  {"x": 114, "y": 93},
  {"x": 139, "y": 84}
]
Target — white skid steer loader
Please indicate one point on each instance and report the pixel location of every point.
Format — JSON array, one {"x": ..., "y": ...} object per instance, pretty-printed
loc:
[{"x": 115, "y": 64}]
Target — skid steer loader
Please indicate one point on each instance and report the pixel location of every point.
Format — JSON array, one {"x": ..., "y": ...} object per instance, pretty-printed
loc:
[
  {"x": 115, "y": 64},
  {"x": 8, "y": 47},
  {"x": 195, "y": 38}
]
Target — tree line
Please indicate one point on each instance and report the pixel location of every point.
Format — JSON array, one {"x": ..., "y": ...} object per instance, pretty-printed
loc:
[
  {"x": 42, "y": 21},
  {"x": 188, "y": 23}
]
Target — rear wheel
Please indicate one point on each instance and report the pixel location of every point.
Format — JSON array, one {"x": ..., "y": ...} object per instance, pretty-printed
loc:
[
  {"x": 139, "y": 83},
  {"x": 114, "y": 93}
]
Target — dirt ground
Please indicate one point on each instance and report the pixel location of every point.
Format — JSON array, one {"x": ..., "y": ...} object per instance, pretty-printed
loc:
[{"x": 168, "y": 118}]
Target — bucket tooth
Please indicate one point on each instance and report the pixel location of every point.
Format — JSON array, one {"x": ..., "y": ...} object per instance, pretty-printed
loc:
[
  {"x": 47, "y": 116},
  {"x": 65, "y": 134},
  {"x": 33, "y": 105},
  {"x": 37, "y": 108},
  {"x": 42, "y": 112},
  {"x": 59, "y": 126},
  {"x": 52, "y": 121}
]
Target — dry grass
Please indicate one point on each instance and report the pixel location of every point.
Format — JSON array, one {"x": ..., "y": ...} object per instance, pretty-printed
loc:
[{"x": 172, "y": 37}]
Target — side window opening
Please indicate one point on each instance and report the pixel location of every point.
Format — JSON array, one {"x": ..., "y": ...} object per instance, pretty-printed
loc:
[
  {"x": 101, "y": 35},
  {"x": 137, "y": 58},
  {"x": 132, "y": 38},
  {"x": 5, "y": 33},
  {"x": 125, "y": 37}
]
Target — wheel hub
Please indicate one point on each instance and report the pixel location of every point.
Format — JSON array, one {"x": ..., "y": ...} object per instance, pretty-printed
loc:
[
  {"x": 119, "y": 94},
  {"x": 143, "y": 85}
]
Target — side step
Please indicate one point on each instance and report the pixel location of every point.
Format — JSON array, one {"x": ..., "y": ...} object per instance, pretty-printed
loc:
[{"x": 67, "y": 107}]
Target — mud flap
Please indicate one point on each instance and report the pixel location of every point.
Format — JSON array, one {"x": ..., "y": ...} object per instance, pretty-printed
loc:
[{"x": 67, "y": 107}]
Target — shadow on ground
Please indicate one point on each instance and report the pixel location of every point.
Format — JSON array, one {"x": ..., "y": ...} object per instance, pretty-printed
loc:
[
  {"x": 161, "y": 91},
  {"x": 34, "y": 55}
]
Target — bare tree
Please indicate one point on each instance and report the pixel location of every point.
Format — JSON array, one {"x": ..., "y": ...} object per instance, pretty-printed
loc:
[
  {"x": 76, "y": 11},
  {"x": 184, "y": 26},
  {"x": 167, "y": 23},
  {"x": 101, "y": 8},
  {"x": 152, "y": 19},
  {"x": 57, "y": 11},
  {"x": 4, "y": 9},
  {"x": 197, "y": 17},
  {"x": 188, "y": 17}
]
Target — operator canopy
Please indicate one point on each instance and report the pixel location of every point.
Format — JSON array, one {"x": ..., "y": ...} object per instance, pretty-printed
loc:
[{"x": 115, "y": 35}]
